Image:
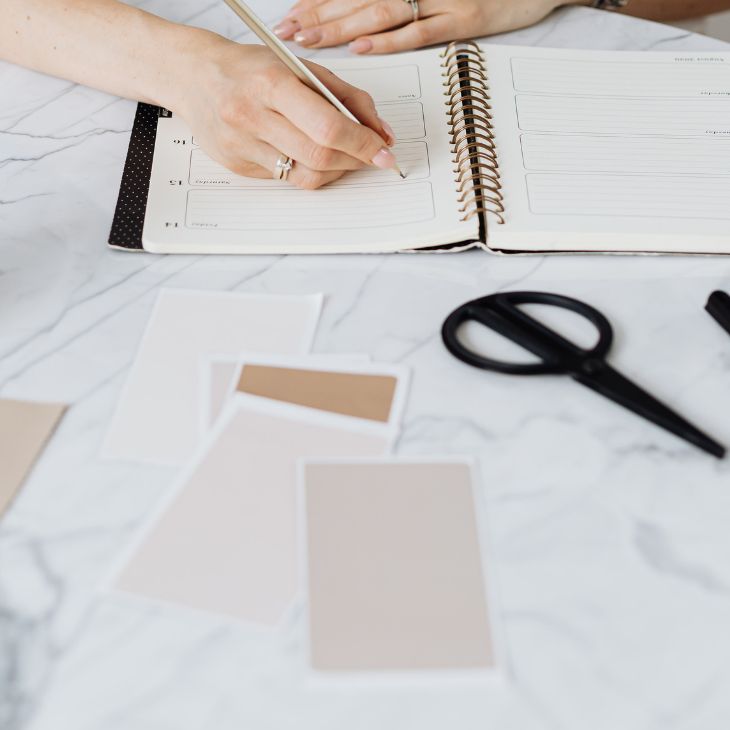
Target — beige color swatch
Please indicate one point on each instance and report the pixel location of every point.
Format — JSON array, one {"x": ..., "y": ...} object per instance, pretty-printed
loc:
[
  {"x": 25, "y": 427},
  {"x": 360, "y": 395},
  {"x": 227, "y": 542},
  {"x": 395, "y": 576}
]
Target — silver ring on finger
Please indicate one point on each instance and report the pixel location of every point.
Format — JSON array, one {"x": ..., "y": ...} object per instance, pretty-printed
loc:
[
  {"x": 284, "y": 165},
  {"x": 416, "y": 10}
]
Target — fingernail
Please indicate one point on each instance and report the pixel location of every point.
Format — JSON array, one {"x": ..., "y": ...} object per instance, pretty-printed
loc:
[
  {"x": 308, "y": 37},
  {"x": 388, "y": 130},
  {"x": 385, "y": 160},
  {"x": 287, "y": 28},
  {"x": 361, "y": 45}
]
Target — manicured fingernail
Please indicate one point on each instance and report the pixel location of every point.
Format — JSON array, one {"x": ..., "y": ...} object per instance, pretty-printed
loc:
[
  {"x": 388, "y": 131},
  {"x": 308, "y": 37},
  {"x": 361, "y": 45},
  {"x": 287, "y": 28},
  {"x": 385, "y": 160}
]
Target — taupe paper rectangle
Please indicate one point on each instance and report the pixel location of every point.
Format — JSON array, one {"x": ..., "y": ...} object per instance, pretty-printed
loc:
[
  {"x": 227, "y": 541},
  {"x": 25, "y": 427},
  {"x": 360, "y": 395},
  {"x": 395, "y": 575}
]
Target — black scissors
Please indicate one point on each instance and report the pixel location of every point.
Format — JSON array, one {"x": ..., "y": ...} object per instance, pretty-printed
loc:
[{"x": 502, "y": 313}]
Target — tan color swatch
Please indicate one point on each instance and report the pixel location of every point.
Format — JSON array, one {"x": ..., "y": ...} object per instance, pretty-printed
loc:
[
  {"x": 25, "y": 427},
  {"x": 227, "y": 543},
  {"x": 359, "y": 395},
  {"x": 395, "y": 575}
]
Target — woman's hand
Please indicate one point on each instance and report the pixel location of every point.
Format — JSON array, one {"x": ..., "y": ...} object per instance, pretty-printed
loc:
[
  {"x": 246, "y": 108},
  {"x": 385, "y": 26}
]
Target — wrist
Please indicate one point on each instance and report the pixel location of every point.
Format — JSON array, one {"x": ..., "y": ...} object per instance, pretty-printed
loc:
[{"x": 186, "y": 53}]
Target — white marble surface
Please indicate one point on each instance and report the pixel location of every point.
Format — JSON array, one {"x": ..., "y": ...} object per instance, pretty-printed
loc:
[{"x": 610, "y": 538}]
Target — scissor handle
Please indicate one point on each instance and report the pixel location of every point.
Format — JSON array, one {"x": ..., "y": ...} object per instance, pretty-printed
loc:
[{"x": 501, "y": 313}]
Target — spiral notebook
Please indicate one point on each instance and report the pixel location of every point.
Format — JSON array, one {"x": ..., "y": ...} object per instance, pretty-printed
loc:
[{"x": 505, "y": 148}]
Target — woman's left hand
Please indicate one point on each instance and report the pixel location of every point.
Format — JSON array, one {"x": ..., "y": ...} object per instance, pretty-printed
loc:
[{"x": 385, "y": 26}]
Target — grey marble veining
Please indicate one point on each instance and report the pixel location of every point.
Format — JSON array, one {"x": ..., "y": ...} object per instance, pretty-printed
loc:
[{"x": 610, "y": 540}]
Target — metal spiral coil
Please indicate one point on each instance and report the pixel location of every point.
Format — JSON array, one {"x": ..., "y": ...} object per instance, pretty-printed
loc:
[{"x": 471, "y": 130}]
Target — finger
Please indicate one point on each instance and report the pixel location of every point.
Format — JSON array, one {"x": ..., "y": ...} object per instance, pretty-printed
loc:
[
  {"x": 326, "y": 12},
  {"x": 301, "y": 176},
  {"x": 378, "y": 16},
  {"x": 327, "y": 126},
  {"x": 437, "y": 29},
  {"x": 315, "y": 13},
  {"x": 247, "y": 168},
  {"x": 359, "y": 102},
  {"x": 305, "y": 5},
  {"x": 282, "y": 135}
]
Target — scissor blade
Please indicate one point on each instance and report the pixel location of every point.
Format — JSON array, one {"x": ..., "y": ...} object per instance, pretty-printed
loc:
[{"x": 611, "y": 384}]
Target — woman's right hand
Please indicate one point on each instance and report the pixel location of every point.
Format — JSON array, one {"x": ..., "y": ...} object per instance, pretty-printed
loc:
[{"x": 246, "y": 108}]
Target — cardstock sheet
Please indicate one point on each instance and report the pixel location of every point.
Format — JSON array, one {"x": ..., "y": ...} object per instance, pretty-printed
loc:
[
  {"x": 226, "y": 540},
  {"x": 220, "y": 375},
  {"x": 394, "y": 570},
  {"x": 25, "y": 427},
  {"x": 157, "y": 419}
]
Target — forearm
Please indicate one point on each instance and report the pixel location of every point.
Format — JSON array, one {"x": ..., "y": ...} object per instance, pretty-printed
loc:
[
  {"x": 100, "y": 43},
  {"x": 669, "y": 10}
]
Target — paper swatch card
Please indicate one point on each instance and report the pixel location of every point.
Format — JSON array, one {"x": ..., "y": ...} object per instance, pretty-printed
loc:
[
  {"x": 395, "y": 577},
  {"x": 157, "y": 419},
  {"x": 220, "y": 376},
  {"x": 25, "y": 427},
  {"x": 226, "y": 540},
  {"x": 358, "y": 394}
]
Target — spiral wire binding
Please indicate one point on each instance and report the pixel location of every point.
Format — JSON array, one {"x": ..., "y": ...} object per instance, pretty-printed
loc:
[{"x": 466, "y": 87}]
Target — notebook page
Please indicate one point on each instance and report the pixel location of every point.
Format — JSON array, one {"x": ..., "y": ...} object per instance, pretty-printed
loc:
[
  {"x": 197, "y": 205},
  {"x": 612, "y": 151}
]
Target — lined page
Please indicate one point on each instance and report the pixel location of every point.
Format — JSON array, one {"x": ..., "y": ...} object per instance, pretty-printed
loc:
[
  {"x": 612, "y": 150},
  {"x": 197, "y": 205}
]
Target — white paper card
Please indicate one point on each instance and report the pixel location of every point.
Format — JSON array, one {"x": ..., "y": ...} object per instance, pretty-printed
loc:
[{"x": 157, "y": 419}]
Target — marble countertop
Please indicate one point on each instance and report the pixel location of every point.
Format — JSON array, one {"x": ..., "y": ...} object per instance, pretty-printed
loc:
[{"x": 610, "y": 538}]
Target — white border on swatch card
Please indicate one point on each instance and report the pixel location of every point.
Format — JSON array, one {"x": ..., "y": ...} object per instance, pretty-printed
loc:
[
  {"x": 389, "y": 679},
  {"x": 242, "y": 401},
  {"x": 164, "y": 292},
  {"x": 312, "y": 360},
  {"x": 205, "y": 386}
]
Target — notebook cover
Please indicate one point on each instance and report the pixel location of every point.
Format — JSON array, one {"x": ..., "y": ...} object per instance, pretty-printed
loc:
[{"x": 128, "y": 223}]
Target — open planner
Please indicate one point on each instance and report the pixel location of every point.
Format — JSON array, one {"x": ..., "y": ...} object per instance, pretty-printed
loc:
[{"x": 505, "y": 148}]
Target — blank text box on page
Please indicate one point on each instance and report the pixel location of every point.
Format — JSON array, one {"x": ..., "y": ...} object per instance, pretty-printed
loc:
[
  {"x": 407, "y": 120},
  {"x": 616, "y": 78},
  {"x": 395, "y": 83},
  {"x": 696, "y": 117},
  {"x": 348, "y": 207},
  {"x": 638, "y": 196},
  {"x": 594, "y": 153}
]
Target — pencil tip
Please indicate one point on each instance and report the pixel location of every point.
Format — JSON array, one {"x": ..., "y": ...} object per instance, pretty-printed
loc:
[{"x": 402, "y": 175}]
